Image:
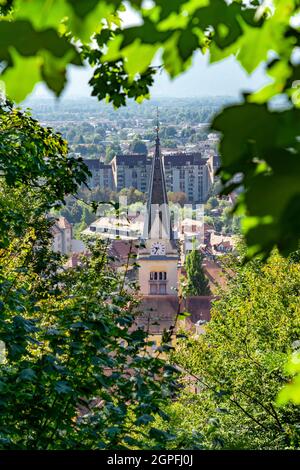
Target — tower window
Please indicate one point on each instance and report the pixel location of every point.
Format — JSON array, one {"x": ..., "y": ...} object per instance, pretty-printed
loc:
[
  {"x": 162, "y": 288},
  {"x": 158, "y": 276},
  {"x": 153, "y": 289}
]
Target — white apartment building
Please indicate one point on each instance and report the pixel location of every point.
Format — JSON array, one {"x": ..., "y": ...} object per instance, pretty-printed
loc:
[
  {"x": 131, "y": 171},
  {"x": 190, "y": 174}
]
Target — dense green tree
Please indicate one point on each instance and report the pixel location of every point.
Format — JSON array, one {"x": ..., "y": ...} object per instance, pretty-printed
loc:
[
  {"x": 75, "y": 374},
  {"x": 209, "y": 220},
  {"x": 98, "y": 139},
  {"x": 112, "y": 150},
  {"x": 178, "y": 197},
  {"x": 199, "y": 136},
  {"x": 170, "y": 143},
  {"x": 168, "y": 132},
  {"x": 196, "y": 281},
  {"x": 235, "y": 370},
  {"x": 133, "y": 195},
  {"x": 71, "y": 134},
  {"x": 40, "y": 40},
  {"x": 187, "y": 132},
  {"x": 212, "y": 203},
  {"x": 87, "y": 217},
  {"x": 80, "y": 139},
  {"x": 138, "y": 146}
]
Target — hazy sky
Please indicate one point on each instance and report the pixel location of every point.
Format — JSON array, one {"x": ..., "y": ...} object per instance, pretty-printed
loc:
[{"x": 223, "y": 78}]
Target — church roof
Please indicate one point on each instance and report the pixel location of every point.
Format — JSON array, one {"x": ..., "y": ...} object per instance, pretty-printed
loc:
[
  {"x": 157, "y": 203},
  {"x": 157, "y": 192}
]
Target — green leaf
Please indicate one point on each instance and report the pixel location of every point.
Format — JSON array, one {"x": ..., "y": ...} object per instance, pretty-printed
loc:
[
  {"x": 138, "y": 57},
  {"x": 21, "y": 79},
  {"x": 249, "y": 55},
  {"x": 144, "y": 420},
  {"x": 21, "y": 36},
  {"x": 28, "y": 375},
  {"x": 89, "y": 17},
  {"x": 291, "y": 391},
  {"x": 31, "y": 56},
  {"x": 280, "y": 73},
  {"x": 53, "y": 71},
  {"x": 43, "y": 13},
  {"x": 62, "y": 387},
  {"x": 183, "y": 315},
  {"x": 161, "y": 436},
  {"x": 188, "y": 42}
]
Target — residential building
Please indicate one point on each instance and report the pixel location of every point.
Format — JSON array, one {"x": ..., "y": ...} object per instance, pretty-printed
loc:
[
  {"x": 101, "y": 174},
  {"x": 191, "y": 174},
  {"x": 131, "y": 171},
  {"x": 191, "y": 234},
  {"x": 62, "y": 236},
  {"x": 113, "y": 227}
]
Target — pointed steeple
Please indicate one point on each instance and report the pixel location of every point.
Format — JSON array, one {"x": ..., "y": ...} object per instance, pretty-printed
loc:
[{"x": 157, "y": 221}]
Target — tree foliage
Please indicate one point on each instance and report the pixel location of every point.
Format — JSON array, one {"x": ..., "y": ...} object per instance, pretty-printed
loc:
[
  {"x": 75, "y": 374},
  {"x": 264, "y": 152},
  {"x": 234, "y": 371},
  {"x": 259, "y": 152},
  {"x": 138, "y": 146},
  {"x": 196, "y": 283},
  {"x": 177, "y": 197}
]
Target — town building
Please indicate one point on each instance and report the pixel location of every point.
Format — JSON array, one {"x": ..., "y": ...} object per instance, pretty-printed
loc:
[
  {"x": 190, "y": 173},
  {"x": 115, "y": 227},
  {"x": 61, "y": 232},
  {"x": 159, "y": 265},
  {"x": 155, "y": 245},
  {"x": 131, "y": 171},
  {"x": 191, "y": 234}
]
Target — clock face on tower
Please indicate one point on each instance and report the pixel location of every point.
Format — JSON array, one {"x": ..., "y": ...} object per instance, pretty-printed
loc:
[{"x": 158, "y": 248}]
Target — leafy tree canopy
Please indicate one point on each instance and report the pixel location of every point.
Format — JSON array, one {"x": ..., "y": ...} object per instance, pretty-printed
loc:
[
  {"x": 197, "y": 283},
  {"x": 139, "y": 146},
  {"x": 234, "y": 371},
  {"x": 178, "y": 197},
  {"x": 74, "y": 373}
]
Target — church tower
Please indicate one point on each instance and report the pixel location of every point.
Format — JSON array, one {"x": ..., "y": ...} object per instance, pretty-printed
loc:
[{"x": 158, "y": 258}]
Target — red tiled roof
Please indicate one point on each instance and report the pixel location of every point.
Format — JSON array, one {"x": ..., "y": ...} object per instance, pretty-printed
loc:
[
  {"x": 76, "y": 259},
  {"x": 199, "y": 307},
  {"x": 226, "y": 244},
  {"x": 120, "y": 249},
  {"x": 215, "y": 273},
  {"x": 158, "y": 312}
]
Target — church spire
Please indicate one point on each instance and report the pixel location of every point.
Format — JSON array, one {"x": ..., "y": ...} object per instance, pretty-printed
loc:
[
  {"x": 157, "y": 125},
  {"x": 157, "y": 221}
]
